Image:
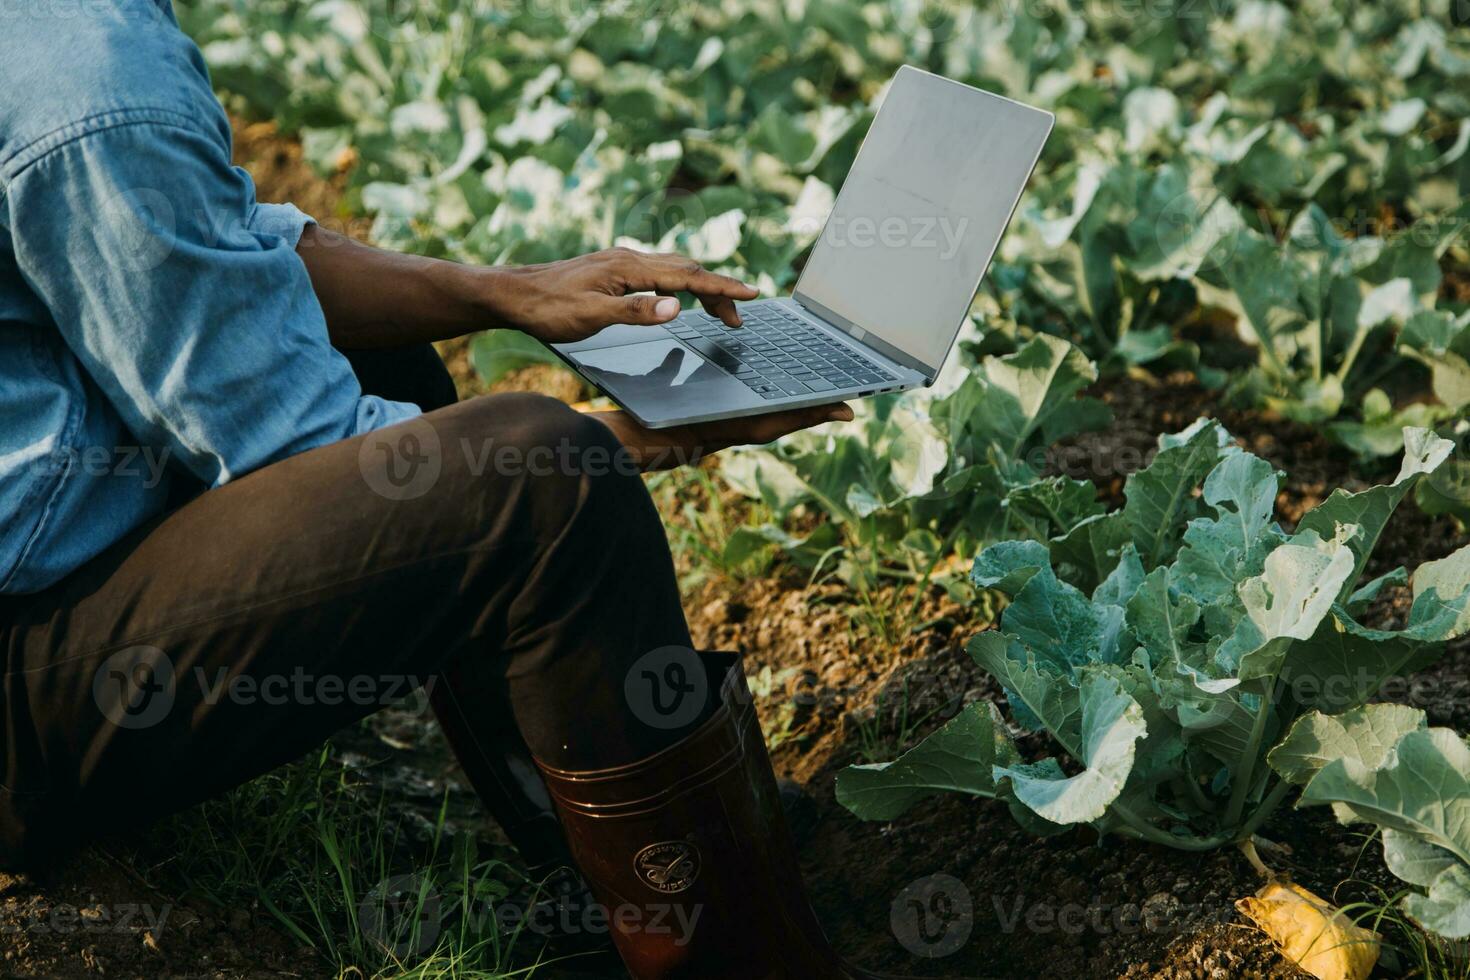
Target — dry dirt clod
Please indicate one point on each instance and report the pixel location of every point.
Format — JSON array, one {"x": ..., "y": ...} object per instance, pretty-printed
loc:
[{"x": 721, "y": 612}]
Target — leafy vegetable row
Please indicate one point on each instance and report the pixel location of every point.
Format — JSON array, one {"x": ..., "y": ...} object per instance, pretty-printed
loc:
[
  {"x": 1291, "y": 176},
  {"x": 1167, "y": 647}
]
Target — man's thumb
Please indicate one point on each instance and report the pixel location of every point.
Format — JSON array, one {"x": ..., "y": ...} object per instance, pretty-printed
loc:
[{"x": 645, "y": 309}]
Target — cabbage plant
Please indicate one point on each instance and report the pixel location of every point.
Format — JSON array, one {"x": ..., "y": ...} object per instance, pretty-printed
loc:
[
  {"x": 913, "y": 481},
  {"x": 1382, "y": 765},
  {"x": 1166, "y": 647}
]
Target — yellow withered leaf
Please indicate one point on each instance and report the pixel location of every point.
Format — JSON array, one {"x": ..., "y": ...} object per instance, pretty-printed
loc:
[{"x": 1314, "y": 935}]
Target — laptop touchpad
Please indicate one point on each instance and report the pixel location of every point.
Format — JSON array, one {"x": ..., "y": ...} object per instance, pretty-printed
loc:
[{"x": 647, "y": 367}]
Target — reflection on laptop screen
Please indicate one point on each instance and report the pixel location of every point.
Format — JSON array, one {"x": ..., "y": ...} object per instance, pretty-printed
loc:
[{"x": 922, "y": 211}]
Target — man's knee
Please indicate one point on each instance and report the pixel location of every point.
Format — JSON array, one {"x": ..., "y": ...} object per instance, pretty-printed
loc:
[
  {"x": 523, "y": 434},
  {"x": 534, "y": 453},
  {"x": 548, "y": 438}
]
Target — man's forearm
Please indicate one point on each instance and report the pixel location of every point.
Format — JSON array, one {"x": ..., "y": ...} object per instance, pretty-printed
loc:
[{"x": 376, "y": 298}]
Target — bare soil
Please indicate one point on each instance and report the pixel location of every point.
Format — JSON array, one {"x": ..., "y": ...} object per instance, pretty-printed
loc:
[{"x": 96, "y": 917}]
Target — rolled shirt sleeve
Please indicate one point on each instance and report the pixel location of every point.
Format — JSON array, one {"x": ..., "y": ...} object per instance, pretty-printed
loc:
[
  {"x": 285, "y": 221},
  {"x": 184, "y": 299}
]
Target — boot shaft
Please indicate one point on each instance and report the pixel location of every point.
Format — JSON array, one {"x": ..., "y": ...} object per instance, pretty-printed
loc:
[{"x": 689, "y": 853}]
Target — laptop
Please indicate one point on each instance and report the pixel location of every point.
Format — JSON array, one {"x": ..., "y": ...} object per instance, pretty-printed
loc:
[{"x": 885, "y": 290}]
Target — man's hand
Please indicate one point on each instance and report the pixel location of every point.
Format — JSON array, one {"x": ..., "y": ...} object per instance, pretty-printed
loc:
[
  {"x": 560, "y": 302},
  {"x": 662, "y": 449}
]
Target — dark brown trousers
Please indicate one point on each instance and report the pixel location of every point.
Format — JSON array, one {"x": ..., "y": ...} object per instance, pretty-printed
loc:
[{"x": 501, "y": 545}]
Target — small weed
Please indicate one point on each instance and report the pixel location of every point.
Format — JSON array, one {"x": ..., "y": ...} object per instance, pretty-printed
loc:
[
  {"x": 1409, "y": 951},
  {"x": 702, "y": 527},
  {"x": 876, "y": 743}
]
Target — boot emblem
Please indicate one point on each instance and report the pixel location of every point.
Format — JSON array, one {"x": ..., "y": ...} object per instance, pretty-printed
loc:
[{"x": 668, "y": 867}]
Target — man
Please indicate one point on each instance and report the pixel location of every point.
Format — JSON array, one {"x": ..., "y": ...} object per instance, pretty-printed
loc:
[{"x": 238, "y": 507}]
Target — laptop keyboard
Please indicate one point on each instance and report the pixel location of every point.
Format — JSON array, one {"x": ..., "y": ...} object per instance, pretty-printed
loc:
[{"x": 776, "y": 353}]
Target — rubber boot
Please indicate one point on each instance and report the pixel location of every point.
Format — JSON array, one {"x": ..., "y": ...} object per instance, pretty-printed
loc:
[
  {"x": 500, "y": 768},
  {"x": 689, "y": 855},
  {"x": 553, "y": 900}
]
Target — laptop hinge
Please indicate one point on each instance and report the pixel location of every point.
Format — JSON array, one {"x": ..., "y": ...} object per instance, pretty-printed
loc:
[{"x": 864, "y": 337}]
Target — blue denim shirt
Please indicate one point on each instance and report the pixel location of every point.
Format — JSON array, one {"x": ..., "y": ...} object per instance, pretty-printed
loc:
[{"x": 158, "y": 331}]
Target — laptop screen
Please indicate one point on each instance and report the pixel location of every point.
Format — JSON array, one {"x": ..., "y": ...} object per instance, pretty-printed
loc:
[{"x": 922, "y": 211}]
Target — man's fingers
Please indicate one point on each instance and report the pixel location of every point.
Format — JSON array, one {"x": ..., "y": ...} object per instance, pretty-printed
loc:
[
  {"x": 817, "y": 414},
  {"x": 766, "y": 428},
  {"x": 721, "y": 307},
  {"x": 667, "y": 272}
]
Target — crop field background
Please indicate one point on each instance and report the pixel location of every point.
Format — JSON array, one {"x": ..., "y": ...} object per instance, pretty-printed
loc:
[{"x": 1103, "y": 640}]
